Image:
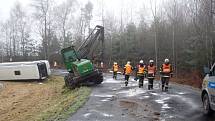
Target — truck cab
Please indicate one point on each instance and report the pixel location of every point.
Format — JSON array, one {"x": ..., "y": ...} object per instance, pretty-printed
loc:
[{"x": 208, "y": 90}]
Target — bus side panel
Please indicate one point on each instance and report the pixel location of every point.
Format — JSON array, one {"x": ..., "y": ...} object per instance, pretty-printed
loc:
[{"x": 26, "y": 72}]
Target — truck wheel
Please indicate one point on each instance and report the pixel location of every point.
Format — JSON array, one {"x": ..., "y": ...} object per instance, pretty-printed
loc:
[
  {"x": 66, "y": 81},
  {"x": 99, "y": 79},
  {"x": 206, "y": 105},
  {"x": 69, "y": 82}
]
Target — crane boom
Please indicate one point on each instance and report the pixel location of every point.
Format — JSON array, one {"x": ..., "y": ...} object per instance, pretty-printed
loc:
[{"x": 87, "y": 46}]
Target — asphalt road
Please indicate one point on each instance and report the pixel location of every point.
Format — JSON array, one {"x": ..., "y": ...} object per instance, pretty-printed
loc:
[{"x": 112, "y": 101}]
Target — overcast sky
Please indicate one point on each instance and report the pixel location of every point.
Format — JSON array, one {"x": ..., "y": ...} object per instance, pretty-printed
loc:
[
  {"x": 111, "y": 6},
  {"x": 6, "y": 5}
]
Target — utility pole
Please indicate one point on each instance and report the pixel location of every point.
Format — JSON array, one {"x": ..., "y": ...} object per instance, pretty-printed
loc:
[
  {"x": 155, "y": 30},
  {"x": 211, "y": 31},
  {"x": 103, "y": 24},
  {"x": 121, "y": 29},
  {"x": 173, "y": 38},
  {"x": 156, "y": 48},
  {"x": 82, "y": 23},
  {"x": 173, "y": 47}
]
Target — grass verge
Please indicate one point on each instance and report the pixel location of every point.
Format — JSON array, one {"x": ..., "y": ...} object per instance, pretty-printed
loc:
[
  {"x": 65, "y": 104},
  {"x": 36, "y": 101}
]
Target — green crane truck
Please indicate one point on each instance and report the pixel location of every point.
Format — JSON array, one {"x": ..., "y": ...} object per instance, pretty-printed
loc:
[{"x": 81, "y": 69}]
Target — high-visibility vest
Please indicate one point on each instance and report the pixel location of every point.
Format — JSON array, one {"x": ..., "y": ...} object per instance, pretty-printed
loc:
[
  {"x": 166, "y": 68},
  {"x": 128, "y": 69},
  {"x": 115, "y": 68},
  {"x": 151, "y": 69},
  {"x": 141, "y": 70}
]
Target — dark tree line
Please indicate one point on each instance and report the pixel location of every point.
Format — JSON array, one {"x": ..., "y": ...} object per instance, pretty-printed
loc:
[{"x": 181, "y": 30}]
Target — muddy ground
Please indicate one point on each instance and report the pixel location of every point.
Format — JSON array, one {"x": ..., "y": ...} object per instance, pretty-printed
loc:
[{"x": 19, "y": 100}]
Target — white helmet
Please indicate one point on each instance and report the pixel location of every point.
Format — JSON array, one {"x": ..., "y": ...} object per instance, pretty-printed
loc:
[
  {"x": 128, "y": 62},
  {"x": 115, "y": 63},
  {"x": 141, "y": 61},
  {"x": 166, "y": 60},
  {"x": 151, "y": 61}
]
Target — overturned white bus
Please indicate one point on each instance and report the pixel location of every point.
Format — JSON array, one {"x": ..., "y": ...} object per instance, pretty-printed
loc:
[{"x": 32, "y": 70}]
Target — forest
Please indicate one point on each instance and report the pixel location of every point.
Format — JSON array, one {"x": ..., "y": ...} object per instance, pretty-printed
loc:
[{"x": 181, "y": 30}]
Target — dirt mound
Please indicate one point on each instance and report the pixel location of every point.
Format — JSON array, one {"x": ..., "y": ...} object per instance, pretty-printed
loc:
[{"x": 193, "y": 78}]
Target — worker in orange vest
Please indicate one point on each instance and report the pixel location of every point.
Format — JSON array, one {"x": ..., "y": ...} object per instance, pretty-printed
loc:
[
  {"x": 115, "y": 70},
  {"x": 127, "y": 72},
  {"x": 136, "y": 70},
  {"x": 140, "y": 73},
  {"x": 151, "y": 71},
  {"x": 166, "y": 73}
]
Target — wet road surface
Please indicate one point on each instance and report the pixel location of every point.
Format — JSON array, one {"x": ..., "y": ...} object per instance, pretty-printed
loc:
[{"x": 112, "y": 101}]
